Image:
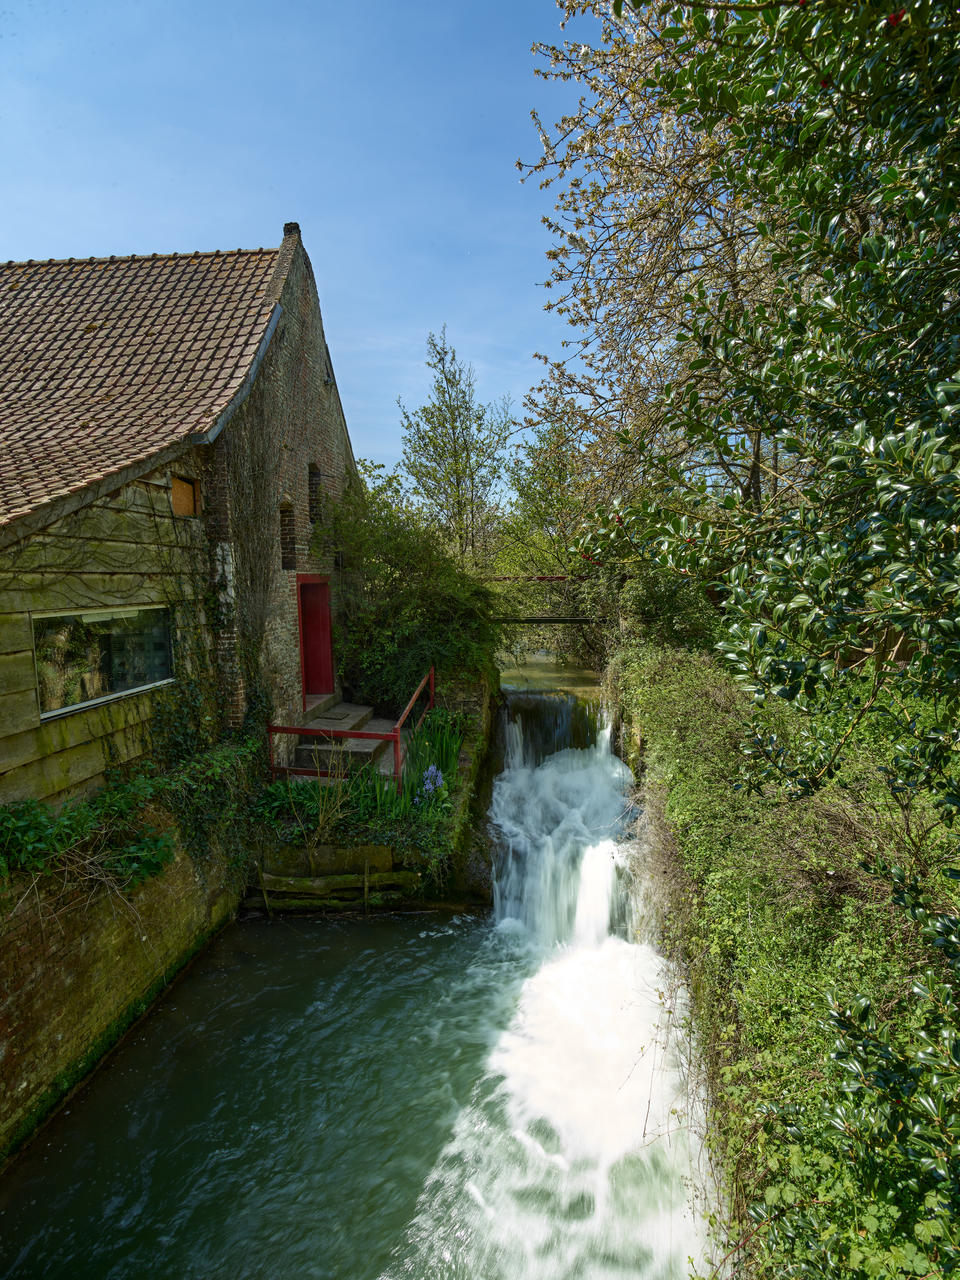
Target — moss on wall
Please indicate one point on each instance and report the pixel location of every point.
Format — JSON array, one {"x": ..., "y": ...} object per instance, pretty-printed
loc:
[
  {"x": 78, "y": 967},
  {"x": 780, "y": 914}
]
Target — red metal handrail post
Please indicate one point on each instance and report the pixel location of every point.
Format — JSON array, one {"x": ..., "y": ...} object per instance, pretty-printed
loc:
[
  {"x": 396, "y": 736},
  {"x": 416, "y": 694}
]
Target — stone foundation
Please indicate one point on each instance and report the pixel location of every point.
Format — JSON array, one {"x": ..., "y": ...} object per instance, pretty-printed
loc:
[{"x": 78, "y": 965}]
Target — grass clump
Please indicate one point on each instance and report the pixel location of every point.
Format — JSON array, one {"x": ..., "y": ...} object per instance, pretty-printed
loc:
[{"x": 365, "y": 807}]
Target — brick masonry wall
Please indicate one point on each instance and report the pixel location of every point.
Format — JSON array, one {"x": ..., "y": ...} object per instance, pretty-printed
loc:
[
  {"x": 293, "y": 419},
  {"x": 76, "y": 967}
]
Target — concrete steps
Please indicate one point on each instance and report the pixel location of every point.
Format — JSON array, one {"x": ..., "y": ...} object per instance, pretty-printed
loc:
[
  {"x": 318, "y": 704},
  {"x": 328, "y": 754}
]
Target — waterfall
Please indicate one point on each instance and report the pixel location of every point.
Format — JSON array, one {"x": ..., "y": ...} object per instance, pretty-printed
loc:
[
  {"x": 411, "y": 1097},
  {"x": 555, "y": 816},
  {"x": 572, "y": 1158}
]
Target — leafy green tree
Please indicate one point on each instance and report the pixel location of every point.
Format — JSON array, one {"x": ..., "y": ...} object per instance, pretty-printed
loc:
[
  {"x": 404, "y": 603},
  {"x": 844, "y": 122},
  {"x": 837, "y": 383},
  {"x": 757, "y": 246},
  {"x": 453, "y": 454},
  {"x": 639, "y": 217}
]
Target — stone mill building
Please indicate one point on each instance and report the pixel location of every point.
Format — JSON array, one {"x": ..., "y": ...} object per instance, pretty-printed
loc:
[{"x": 170, "y": 429}]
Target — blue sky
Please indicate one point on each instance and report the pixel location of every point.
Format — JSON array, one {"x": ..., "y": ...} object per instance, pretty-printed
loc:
[{"x": 388, "y": 131}]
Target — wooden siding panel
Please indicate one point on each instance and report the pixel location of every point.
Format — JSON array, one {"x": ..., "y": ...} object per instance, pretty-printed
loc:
[
  {"x": 17, "y": 671},
  {"x": 121, "y": 524},
  {"x": 145, "y": 495},
  {"x": 68, "y": 772},
  {"x": 47, "y": 592},
  {"x": 75, "y": 728},
  {"x": 15, "y": 632},
  {"x": 18, "y": 711},
  {"x": 69, "y": 556}
]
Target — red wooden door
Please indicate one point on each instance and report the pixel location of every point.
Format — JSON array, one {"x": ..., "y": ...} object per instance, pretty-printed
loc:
[{"x": 316, "y": 652}]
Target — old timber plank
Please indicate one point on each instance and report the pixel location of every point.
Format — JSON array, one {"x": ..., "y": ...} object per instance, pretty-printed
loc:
[
  {"x": 325, "y": 886},
  {"x": 67, "y": 591},
  {"x": 65, "y": 773},
  {"x": 15, "y": 632},
  {"x": 65, "y": 732},
  {"x": 17, "y": 671},
  {"x": 101, "y": 554},
  {"x": 385, "y": 898},
  {"x": 18, "y": 711}
]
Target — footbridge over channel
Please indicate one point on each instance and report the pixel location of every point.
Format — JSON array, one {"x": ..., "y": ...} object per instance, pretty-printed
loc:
[{"x": 541, "y": 619}]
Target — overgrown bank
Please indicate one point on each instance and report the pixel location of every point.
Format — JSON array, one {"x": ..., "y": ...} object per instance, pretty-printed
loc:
[
  {"x": 101, "y": 903},
  {"x": 421, "y": 831},
  {"x": 824, "y": 1001}
]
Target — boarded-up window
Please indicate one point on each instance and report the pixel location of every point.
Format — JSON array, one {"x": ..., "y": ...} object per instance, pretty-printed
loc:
[
  {"x": 85, "y": 656},
  {"x": 184, "y": 497},
  {"x": 288, "y": 539},
  {"x": 315, "y": 493}
]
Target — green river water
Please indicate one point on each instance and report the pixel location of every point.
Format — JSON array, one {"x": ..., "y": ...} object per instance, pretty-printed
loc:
[{"x": 408, "y": 1096}]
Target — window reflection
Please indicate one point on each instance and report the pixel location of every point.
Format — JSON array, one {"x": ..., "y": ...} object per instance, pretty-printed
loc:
[{"x": 84, "y": 656}]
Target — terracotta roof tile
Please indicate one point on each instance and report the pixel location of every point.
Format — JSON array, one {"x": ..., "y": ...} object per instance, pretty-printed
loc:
[{"x": 105, "y": 361}]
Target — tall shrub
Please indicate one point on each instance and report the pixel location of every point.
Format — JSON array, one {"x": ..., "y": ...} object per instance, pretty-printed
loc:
[{"x": 404, "y": 603}]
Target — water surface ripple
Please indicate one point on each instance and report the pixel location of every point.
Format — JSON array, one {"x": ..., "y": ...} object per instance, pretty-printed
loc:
[{"x": 405, "y": 1098}]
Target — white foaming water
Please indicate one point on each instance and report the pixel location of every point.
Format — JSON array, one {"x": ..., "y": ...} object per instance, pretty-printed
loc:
[
  {"x": 571, "y": 1160},
  {"x": 598, "y": 880},
  {"x": 548, "y": 816}
]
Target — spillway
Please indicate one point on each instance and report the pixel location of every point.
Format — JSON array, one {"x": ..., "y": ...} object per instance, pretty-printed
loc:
[{"x": 404, "y": 1098}]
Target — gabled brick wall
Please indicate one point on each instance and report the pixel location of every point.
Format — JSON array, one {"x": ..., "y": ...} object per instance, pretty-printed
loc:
[
  {"x": 120, "y": 548},
  {"x": 294, "y": 404}
]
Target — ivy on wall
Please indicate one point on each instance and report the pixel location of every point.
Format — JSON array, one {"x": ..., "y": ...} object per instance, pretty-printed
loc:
[{"x": 127, "y": 831}]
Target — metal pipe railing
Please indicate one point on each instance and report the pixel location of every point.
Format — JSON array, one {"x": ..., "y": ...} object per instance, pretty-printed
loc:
[{"x": 394, "y": 736}]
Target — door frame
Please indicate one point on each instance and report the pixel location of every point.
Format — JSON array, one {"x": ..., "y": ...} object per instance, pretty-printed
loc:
[{"x": 308, "y": 580}]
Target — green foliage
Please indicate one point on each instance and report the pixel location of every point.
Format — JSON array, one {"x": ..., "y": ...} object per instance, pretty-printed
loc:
[
  {"x": 453, "y": 455},
  {"x": 113, "y": 837},
  {"x": 840, "y": 130},
  {"x": 552, "y": 493},
  {"x": 365, "y": 807},
  {"x": 210, "y": 797},
  {"x": 805, "y": 464},
  {"x": 186, "y": 717},
  {"x": 659, "y": 610},
  {"x": 104, "y": 838},
  {"x": 404, "y": 603},
  {"x": 823, "y": 967}
]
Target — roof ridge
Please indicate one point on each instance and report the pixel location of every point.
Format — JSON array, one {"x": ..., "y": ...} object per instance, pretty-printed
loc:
[{"x": 140, "y": 257}]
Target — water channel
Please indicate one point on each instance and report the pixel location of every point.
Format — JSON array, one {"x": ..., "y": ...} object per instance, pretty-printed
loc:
[{"x": 404, "y": 1098}]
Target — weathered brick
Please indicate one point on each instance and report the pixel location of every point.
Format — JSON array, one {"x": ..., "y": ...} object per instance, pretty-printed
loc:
[{"x": 77, "y": 981}]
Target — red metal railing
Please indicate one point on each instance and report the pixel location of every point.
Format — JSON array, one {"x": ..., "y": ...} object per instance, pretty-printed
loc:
[{"x": 394, "y": 735}]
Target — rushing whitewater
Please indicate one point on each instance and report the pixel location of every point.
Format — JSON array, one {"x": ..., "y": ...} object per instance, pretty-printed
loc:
[
  {"x": 572, "y": 1159},
  {"x": 399, "y": 1098}
]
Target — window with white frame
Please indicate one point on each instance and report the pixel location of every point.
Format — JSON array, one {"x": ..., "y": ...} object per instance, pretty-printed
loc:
[{"x": 99, "y": 653}]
